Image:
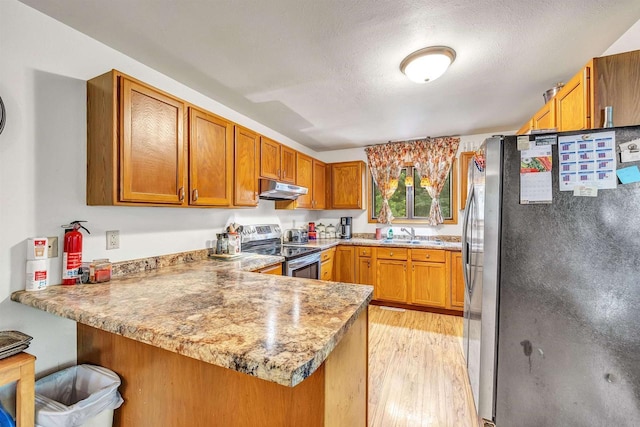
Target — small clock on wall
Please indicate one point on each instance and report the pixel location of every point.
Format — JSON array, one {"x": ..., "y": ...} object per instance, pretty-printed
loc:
[{"x": 3, "y": 115}]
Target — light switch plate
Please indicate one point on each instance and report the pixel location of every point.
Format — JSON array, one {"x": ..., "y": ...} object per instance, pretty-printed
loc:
[{"x": 52, "y": 249}]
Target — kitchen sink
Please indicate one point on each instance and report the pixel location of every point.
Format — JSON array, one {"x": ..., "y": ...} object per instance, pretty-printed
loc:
[{"x": 412, "y": 242}]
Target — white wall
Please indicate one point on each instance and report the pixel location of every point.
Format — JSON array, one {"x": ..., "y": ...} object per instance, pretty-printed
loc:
[
  {"x": 44, "y": 66},
  {"x": 628, "y": 41},
  {"x": 360, "y": 218}
]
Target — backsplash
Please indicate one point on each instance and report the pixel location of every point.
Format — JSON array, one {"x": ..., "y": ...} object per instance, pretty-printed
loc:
[{"x": 125, "y": 268}]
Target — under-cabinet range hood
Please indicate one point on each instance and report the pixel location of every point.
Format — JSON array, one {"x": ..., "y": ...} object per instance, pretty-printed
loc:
[{"x": 274, "y": 190}]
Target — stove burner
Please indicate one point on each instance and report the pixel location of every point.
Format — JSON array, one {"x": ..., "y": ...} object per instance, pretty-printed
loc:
[{"x": 287, "y": 252}]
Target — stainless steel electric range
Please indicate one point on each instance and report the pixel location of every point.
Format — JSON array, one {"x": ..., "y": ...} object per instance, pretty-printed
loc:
[{"x": 266, "y": 239}]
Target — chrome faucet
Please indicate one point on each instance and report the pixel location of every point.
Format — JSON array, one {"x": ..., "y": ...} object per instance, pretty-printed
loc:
[{"x": 412, "y": 233}]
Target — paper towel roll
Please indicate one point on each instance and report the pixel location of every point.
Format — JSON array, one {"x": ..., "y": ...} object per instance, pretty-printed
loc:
[
  {"x": 37, "y": 275},
  {"x": 37, "y": 248}
]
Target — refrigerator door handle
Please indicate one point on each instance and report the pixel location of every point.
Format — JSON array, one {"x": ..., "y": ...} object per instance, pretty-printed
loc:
[{"x": 465, "y": 241}]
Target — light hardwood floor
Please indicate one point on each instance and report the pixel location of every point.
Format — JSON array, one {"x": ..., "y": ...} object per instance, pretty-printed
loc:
[{"x": 417, "y": 373}]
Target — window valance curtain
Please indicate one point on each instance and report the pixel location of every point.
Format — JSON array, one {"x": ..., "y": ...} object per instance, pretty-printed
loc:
[
  {"x": 385, "y": 163},
  {"x": 432, "y": 158}
]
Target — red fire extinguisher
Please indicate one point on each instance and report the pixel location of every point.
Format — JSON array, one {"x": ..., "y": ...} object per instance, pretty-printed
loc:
[{"x": 72, "y": 253}]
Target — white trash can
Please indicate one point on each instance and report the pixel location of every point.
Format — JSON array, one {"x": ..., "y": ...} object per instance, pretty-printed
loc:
[{"x": 79, "y": 396}]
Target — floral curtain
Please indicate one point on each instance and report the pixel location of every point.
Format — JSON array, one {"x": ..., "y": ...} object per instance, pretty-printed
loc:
[
  {"x": 433, "y": 159},
  {"x": 385, "y": 162}
]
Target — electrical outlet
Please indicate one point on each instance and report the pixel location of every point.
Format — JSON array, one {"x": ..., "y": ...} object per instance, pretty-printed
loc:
[
  {"x": 52, "y": 250},
  {"x": 113, "y": 239}
]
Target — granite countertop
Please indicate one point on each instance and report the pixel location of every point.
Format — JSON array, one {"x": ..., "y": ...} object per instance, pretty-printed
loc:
[
  {"x": 276, "y": 328},
  {"x": 397, "y": 243}
]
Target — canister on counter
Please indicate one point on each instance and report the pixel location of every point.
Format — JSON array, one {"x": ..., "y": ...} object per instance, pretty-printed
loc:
[{"x": 222, "y": 243}]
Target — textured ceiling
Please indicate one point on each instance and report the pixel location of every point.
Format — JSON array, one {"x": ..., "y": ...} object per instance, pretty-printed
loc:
[{"x": 326, "y": 72}]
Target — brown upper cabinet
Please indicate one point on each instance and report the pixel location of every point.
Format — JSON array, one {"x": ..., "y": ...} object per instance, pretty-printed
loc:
[
  {"x": 146, "y": 147},
  {"x": 526, "y": 128},
  {"x": 608, "y": 80},
  {"x": 304, "y": 178},
  {"x": 545, "y": 118},
  {"x": 136, "y": 153},
  {"x": 572, "y": 102},
  {"x": 245, "y": 185},
  {"x": 288, "y": 164},
  {"x": 210, "y": 159},
  {"x": 269, "y": 159},
  {"x": 347, "y": 182},
  {"x": 277, "y": 161},
  {"x": 616, "y": 82},
  {"x": 311, "y": 174},
  {"x": 319, "y": 192}
]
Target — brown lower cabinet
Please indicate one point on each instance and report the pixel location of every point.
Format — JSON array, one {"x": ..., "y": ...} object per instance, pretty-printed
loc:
[
  {"x": 366, "y": 266},
  {"x": 428, "y": 284},
  {"x": 190, "y": 392},
  {"x": 457, "y": 281},
  {"x": 345, "y": 264},
  {"x": 413, "y": 277},
  {"x": 327, "y": 264},
  {"x": 276, "y": 270},
  {"x": 391, "y": 280}
]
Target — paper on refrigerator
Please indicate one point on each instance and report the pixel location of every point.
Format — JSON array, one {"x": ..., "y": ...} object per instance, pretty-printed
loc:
[
  {"x": 587, "y": 160},
  {"x": 535, "y": 175}
]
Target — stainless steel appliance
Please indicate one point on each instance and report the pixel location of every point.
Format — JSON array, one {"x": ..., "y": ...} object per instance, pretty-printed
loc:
[
  {"x": 266, "y": 239},
  {"x": 344, "y": 229},
  {"x": 296, "y": 235},
  {"x": 274, "y": 190},
  {"x": 552, "y": 297}
]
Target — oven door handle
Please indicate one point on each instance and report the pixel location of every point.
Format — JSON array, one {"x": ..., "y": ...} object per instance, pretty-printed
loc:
[{"x": 303, "y": 261}]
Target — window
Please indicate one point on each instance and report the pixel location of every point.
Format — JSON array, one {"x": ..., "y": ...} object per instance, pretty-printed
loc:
[{"x": 412, "y": 204}]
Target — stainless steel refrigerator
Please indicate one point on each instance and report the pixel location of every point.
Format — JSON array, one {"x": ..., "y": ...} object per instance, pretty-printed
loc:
[{"x": 552, "y": 305}]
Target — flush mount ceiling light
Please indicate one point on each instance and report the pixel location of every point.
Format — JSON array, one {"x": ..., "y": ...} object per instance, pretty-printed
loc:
[{"x": 427, "y": 64}]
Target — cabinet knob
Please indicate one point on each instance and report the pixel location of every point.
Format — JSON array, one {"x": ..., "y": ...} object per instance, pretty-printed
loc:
[
  {"x": 284, "y": 173},
  {"x": 413, "y": 267},
  {"x": 390, "y": 253},
  {"x": 368, "y": 264},
  {"x": 195, "y": 195},
  {"x": 278, "y": 173},
  {"x": 181, "y": 193},
  {"x": 427, "y": 256}
]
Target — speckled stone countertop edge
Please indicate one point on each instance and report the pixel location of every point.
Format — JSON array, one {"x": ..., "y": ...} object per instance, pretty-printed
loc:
[
  {"x": 144, "y": 335},
  {"x": 260, "y": 368}
]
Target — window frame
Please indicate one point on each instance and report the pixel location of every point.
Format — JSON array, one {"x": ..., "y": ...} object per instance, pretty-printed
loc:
[{"x": 454, "y": 199}]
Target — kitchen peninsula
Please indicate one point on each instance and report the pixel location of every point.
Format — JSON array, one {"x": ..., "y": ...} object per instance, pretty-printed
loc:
[{"x": 202, "y": 343}]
